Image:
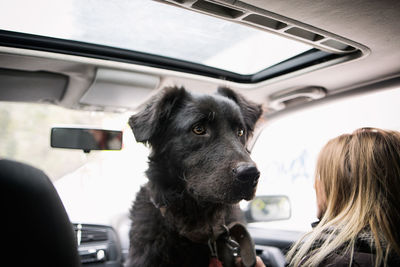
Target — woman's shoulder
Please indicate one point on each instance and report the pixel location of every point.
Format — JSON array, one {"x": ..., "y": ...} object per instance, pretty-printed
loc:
[
  {"x": 358, "y": 259},
  {"x": 363, "y": 256}
]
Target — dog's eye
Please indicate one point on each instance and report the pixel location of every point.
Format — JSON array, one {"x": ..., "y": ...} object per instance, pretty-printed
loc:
[
  {"x": 240, "y": 132},
  {"x": 199, "y": 129}
]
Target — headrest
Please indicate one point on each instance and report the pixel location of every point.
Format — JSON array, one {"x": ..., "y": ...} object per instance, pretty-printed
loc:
[{"x": 36, "y": 230}]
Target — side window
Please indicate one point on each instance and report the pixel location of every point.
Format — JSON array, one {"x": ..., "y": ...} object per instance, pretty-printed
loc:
[{"x": 287, "y": 149}]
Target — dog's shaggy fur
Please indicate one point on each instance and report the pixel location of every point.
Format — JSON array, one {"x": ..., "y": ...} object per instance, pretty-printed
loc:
[{"x": 199, "y": 169}]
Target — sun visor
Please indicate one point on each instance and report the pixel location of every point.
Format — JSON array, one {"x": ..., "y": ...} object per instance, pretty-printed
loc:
[
  {"x": 31, "y": 86},
  {"x": 115, "y": 88}
]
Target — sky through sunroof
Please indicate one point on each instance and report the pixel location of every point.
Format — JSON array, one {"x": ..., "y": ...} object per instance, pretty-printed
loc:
[{"x": 154, "y": 28}]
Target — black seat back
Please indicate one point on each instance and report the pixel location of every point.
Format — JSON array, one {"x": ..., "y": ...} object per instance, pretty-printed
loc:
[{"x": 36, "y": 230}]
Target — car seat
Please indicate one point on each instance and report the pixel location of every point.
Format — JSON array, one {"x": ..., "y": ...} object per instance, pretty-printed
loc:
[{"x": 36, "y": 230}]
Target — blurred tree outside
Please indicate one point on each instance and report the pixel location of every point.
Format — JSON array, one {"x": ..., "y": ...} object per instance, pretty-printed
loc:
[{"x": 25, "y": 135}]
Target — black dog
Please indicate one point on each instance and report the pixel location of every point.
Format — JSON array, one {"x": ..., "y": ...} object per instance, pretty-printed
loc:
[{"x": 199, "y": 168}]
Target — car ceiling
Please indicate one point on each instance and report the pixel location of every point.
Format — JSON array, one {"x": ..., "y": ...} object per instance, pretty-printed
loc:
[{"x": 371, "y": 26}]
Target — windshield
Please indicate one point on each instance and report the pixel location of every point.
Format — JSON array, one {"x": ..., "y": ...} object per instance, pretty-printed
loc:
[
  {"x": 95, "y": 186},
  {"x": 154, "y": 28}
]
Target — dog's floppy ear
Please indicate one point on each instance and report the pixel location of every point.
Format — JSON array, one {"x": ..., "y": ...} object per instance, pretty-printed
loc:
[
  {"x": 148, "y": 122},
  {"x": 250, "y": 110}
]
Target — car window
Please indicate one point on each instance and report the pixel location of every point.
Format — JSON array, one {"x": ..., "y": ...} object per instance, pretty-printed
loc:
[
  {"x": 97, "y": 186},
  {"x": 287, "y": 149},
  {"x": 136, "y": 25}
]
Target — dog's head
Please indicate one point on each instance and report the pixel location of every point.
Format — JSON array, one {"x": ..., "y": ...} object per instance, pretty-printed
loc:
[{"x": 198, "y": 143}]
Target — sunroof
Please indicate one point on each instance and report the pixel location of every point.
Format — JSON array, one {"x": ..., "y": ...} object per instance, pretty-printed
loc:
[{"x": 154, "y": 28}]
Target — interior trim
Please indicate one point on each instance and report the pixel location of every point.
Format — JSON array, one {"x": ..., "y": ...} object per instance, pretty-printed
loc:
[{"x": 41, "y": 43}]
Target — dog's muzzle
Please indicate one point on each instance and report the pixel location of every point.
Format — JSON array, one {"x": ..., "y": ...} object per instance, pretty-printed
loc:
[{"x": 246, "y": 173}]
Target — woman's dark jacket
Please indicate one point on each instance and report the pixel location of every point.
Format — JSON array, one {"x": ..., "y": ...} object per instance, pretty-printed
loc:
[{"x": 363, "y": 256}]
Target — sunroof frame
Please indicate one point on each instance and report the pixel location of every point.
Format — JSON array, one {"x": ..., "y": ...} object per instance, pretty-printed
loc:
[{"x": 70, "y": 47}]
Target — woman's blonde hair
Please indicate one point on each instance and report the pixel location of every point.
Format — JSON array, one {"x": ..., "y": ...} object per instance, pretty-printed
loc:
[{"x": 360, "y": 178}]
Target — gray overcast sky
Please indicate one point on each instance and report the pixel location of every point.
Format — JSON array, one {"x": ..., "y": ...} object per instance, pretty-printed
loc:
[{"x": 152, "y": 27}]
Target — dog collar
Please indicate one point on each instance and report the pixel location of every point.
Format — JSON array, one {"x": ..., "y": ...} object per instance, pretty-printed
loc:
[{"x": 237, "y": 240}]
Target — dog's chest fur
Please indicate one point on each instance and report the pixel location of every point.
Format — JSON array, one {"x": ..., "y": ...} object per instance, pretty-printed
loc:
[{"x": 177, "y": 238}]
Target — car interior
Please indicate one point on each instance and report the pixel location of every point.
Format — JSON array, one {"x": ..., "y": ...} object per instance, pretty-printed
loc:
[{"x": 331, "y": 51}]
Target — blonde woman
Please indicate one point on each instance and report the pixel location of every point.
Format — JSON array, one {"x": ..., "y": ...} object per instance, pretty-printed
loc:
[{"x": 357, "y": 185}]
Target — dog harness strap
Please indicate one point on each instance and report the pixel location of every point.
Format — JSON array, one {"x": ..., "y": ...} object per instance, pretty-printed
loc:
[
  {"x": 214, "y": 261},
  {"x": 212, "y": 245}
]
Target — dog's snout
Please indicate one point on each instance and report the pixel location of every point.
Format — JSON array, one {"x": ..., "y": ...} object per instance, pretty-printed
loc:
[{"x": 247, "y": 172}]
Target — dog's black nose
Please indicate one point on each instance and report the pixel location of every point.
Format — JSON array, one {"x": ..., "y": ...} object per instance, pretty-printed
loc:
[{"x": 246, "y": 173}]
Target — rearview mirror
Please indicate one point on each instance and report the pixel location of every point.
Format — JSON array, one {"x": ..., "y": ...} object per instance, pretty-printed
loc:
[
  {"x": 86, "y": 139},
  {"x": 268, "y": 208}
]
